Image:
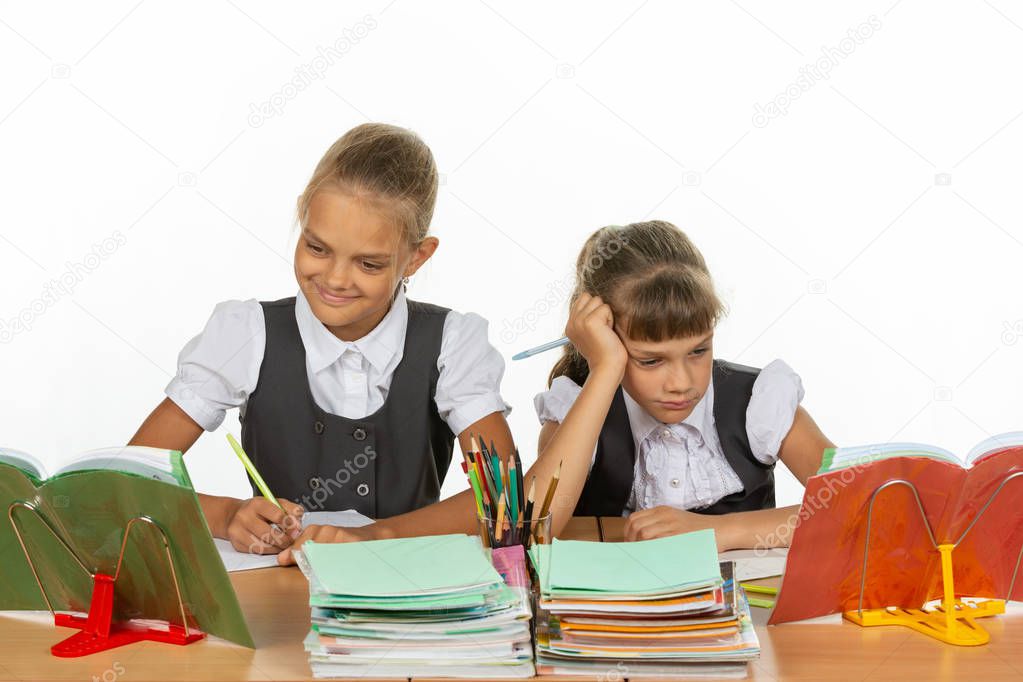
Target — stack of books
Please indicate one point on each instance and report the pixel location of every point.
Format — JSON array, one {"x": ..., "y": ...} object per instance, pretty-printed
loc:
[
  {"x": 413, "y": 607},
  {"x": 659, "y": 607}
]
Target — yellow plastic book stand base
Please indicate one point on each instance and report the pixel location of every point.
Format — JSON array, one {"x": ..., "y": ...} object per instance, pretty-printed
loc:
[
  {"x": 952, "y": 622},
  {"x": 963, "y": 632}
]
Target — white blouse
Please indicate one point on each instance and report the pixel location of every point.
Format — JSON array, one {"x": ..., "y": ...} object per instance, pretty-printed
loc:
[
  {"x": 683, "y": 465},
  {"x": 219, "y": 368}
]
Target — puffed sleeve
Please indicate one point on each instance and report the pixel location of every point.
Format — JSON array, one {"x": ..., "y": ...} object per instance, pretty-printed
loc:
[
  {"x": 469, "y": 385},
  {"x": 219, "y": 368},
  {"x": 553, "y": 404},
  {"x": 777, "y": 393}
]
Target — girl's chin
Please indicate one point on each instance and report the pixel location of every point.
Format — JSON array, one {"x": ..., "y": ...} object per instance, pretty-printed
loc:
[{"x": 670, "y": 415}]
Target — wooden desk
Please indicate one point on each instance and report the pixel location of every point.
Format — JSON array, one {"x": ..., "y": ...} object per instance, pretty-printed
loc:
[{"x": 275, "y": 602}]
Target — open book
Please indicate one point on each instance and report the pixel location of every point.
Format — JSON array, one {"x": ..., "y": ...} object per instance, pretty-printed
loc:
[
  {"x": 840, "y": 458},
  {"x": 154, "y": 463},
  {"x": 974, "y": 499},
  {"x": 85, "y": 507}
]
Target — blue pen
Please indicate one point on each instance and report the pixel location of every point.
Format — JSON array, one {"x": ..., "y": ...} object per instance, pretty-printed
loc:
[{"x": 563, "y": 341}]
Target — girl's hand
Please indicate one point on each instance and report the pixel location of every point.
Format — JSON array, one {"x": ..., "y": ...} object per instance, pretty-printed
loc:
[
  {"x": 658, "y": 522},
  {"x": 331, "y": 534},
  {"x": 258, "y": 526},
  {"x": 591, "y": 330}
]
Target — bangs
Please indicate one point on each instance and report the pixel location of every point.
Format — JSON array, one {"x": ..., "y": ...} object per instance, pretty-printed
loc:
[{"x": 669, "y": 303}]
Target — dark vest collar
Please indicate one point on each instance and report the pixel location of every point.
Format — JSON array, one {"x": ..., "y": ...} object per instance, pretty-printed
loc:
[{"x": 609, "y": 485}]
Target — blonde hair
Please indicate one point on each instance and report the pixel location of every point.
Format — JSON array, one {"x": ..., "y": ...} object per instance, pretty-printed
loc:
[
  {"x": 655, "y": 281},
  {"x": 386, "y": 163}
]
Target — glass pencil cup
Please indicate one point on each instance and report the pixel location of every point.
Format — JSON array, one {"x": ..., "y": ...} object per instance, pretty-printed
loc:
[{"x": 524, "y": 532}]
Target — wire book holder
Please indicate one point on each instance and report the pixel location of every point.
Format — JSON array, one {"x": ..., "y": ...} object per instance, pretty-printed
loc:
[
  {"x": 952, "y": 621},
  {"x": 97, "y": 631}
]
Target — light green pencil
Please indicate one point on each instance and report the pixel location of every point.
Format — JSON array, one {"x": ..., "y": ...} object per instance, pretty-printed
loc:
[{"x": 250, "y": 467}]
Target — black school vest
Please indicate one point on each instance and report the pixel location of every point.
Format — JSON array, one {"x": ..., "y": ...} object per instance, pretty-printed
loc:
[
  {"x": 610, "y": 481},
  {"x": 390, "y": 462}
]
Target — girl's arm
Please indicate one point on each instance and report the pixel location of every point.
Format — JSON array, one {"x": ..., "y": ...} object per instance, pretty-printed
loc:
[
  {"x": 570, "y": 444},
  {"x": 246, "y": 523},
  {"x": 803, "y": 446},
  {"x": 801, "y": 450}
]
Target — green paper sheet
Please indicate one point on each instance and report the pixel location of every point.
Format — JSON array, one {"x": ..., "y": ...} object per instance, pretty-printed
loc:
[
  {"x": 634, "y": 568},
  {"x": 401, "y": 566}
]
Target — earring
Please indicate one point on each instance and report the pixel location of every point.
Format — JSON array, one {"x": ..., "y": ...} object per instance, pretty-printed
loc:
[{"x": 404, "y": 281}]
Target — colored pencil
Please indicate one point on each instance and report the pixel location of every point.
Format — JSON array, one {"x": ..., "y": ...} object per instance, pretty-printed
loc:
[
  {"x": 476, "y": 492},
  {"x": 529, "y": 508},
  {"x": 541, "y": 348},
  {"x": 499, "y": 521},
  {"x": 520, "y": 471},
  {"x": 549, "y": 497},
  {"x": 513, "y": 480},
  {"x": 251, "y": 468},
  {"x": 505, "y": 477}
]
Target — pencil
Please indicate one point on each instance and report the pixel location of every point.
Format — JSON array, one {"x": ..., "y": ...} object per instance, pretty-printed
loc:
[
  {"x": 467, "y": 463},
  {"x": 251, "y": 468},
  {"x": 519, "y": 470},
  {"x": 505, "y": 477},
  {"x": 487, "y": 477},
  {"x": 549, "y": 497},
  {"x": 529, "y": 507},
  {"x": 474, "y": 455},
  {"x": 489, "y": 467},
  {"x": 513, "y": 480},
  {"x": 759, "y": 589},
  {"x": 495, "y": 468},
  {"x": 499, "y": 521},
  {"x": 476, "y": 492},
  {"x": 541, "y": 348},
  {"x": 760, "y": 603},
  {"x": 474, "y": 468}
]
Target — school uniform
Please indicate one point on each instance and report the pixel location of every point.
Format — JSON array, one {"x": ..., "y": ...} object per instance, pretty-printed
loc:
[
  {"x": 366, "y": 425},
  {"x": 719, "y": 459}
]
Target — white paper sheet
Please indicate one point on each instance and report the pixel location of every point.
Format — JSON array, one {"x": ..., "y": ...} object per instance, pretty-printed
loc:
[
  {"x": 243, "y": 561},
  {"x": 753, "y": 564}
]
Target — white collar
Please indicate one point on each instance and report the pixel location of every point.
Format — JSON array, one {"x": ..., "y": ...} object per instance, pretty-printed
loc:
[
  {"x": 383, "y": 346},
  {"x": 643, "y": 424}
]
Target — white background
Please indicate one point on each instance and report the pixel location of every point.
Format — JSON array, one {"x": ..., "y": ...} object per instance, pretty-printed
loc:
[{"x": 870, "y": 236}]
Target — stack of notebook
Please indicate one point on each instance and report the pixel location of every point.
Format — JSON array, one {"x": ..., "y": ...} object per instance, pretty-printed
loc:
[
  {"x": 413, "y": 607},
  {"x": 652, "y": 608}
]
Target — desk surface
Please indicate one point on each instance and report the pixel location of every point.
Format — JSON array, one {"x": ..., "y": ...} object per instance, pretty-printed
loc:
[{"x": 275, "y": 602}]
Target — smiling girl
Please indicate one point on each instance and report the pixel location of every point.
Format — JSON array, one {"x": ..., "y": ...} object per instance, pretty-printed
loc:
[
  {"x": 645, "y": 422},
  {"x": 349, "y": 394}
]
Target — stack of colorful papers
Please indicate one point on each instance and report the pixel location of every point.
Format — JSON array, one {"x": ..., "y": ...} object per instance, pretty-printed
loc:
[
  {"x": 413, "y": 607},
  {"x": 653, "y": 608}
]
